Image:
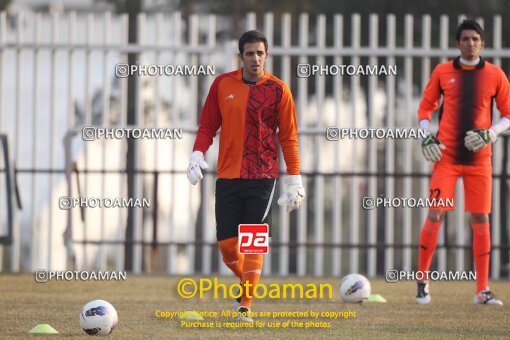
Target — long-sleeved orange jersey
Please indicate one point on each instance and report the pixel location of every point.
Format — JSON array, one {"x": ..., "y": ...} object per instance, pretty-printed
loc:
[
  {"x": 249, "y": 117},
  {"x": 468, "y": 98}
]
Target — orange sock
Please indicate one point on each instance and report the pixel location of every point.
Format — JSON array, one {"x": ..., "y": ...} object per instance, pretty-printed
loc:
[
  {"x": 252, "y": 268},
  {"x": 231, "y": 256},
  {"x": 481, "y": 253},
  {"x": 428, "y": 242}
]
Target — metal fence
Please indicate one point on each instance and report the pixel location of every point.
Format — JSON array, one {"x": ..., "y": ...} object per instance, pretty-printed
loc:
[{"x": 57, "y": 75}]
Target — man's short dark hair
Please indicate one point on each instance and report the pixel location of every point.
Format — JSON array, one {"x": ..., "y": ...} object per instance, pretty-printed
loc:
[
  {"x": 469, "y": 25},
  {"x": 251, "y": 37}
]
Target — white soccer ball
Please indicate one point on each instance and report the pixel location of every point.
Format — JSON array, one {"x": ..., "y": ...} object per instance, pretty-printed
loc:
[
  {"x": 355, "y": 288},
  {"x": 98, "y": 317}
]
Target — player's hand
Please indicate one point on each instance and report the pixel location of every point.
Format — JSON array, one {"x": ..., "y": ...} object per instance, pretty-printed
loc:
[
  {"x": 476, "y": 140},
  {"x": 196, "y": 163},
  {"x": 294, "y": 193},
  {"x": 431, "y": 148}
]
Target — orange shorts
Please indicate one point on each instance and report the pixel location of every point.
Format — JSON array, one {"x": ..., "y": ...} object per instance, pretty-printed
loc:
[{"x": 477, "y": 185}]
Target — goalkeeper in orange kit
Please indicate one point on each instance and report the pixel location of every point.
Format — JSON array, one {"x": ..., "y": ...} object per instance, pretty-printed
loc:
[
  {"x": 463, "y": 148},
  {"x": 249, "y": 105}
]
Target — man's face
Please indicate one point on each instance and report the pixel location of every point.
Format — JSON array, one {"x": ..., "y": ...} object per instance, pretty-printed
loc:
[
  {"x": 254, "y": 56},
  {"x": 470, "y": 44}
]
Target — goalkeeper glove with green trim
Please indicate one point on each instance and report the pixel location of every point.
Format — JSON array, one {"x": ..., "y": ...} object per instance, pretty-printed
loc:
[
  {"x": 476, "y": 140},
  {"x": 431, "y": 148}
]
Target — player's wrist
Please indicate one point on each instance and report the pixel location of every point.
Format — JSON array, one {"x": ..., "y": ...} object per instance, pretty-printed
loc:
[
  {"x": 493, "y": 135},
  {"x": 502, "y": 125},
  {"x": 425, "y": 126},
  {"x": 197, "y": 155},
  {"x": 293, "y": 180}
]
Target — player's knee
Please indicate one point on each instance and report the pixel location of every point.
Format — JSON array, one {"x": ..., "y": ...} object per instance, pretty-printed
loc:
[
  {"x": 258, "y": 258},
  {"x": 436, "y": 215},
  {"x": 479, "y": 218},
  {"x": 228, "y": 249}
]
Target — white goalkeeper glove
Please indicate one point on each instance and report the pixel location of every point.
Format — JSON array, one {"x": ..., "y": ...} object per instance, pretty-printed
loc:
[
  {"x": 476, "y": 140},
  {"x": 294, "y": 193},
  {"x": 431, "y": 148},
  {"x": 196, "y": 163}
]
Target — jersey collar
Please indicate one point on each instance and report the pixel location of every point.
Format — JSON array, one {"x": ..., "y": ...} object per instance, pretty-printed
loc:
[
  {"x": 456, "y": 63},
  {"x": 265, "y": 77}
]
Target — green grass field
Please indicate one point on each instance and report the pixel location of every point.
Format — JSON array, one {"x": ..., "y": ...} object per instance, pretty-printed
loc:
[{"x": 26, "y": 303}]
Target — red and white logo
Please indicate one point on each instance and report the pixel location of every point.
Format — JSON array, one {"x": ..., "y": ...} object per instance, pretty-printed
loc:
[{"x": 253, "y": 238}]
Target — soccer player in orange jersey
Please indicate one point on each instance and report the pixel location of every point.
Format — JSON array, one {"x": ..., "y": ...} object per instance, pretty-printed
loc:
[
  {"x": 249, "y": 105},
  {"x": 463, "y": 147}
]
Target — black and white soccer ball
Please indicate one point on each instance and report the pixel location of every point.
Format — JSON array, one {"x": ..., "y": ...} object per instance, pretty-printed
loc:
[
  {"x": 98, "y": 317},
  {"x": 355, "y": 288}
]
